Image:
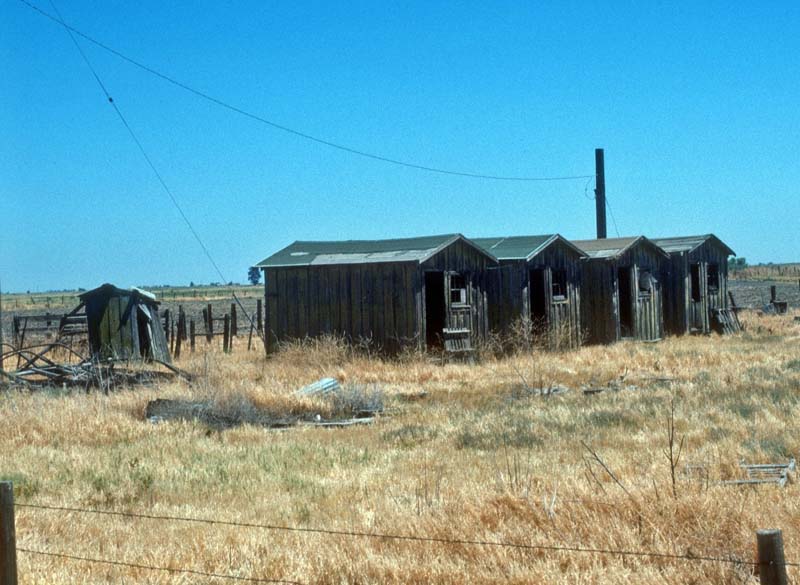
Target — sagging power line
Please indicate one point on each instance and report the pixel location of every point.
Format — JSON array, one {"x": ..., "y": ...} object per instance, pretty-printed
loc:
[
  {"x": 150, "y": 163},
  {"x": 378, "y": 157}
]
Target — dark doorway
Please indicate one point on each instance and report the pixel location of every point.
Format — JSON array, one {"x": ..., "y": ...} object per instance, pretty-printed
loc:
[
  {"x": 434, "y": 308},
  {"x": 538, "y": 300},
  {"x": 144, "y": 323},
  {"x": 695, "y": 282},
  {"x": 625, "y": 302}
]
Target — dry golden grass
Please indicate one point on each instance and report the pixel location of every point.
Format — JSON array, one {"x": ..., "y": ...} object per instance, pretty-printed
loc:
[{"x": 474, "y": 459}]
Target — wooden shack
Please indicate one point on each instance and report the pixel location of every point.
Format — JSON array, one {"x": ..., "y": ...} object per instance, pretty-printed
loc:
[
  {"x": 621, "y": 292},
  {"x": 427, "y": 292},
  {"x": 123, "y": 324},
  {"x": 697, "y": 282},
  {"x": 536, "y": 284}
]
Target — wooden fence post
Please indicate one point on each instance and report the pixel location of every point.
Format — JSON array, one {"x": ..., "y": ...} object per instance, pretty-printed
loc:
[
  {"x": 179, "y": 337},
  {"x": 166, "y": 325},
  {"x": 771, "y": 562},
  {"x": 258, "y": 316},
  {"x": 8, "y": 539},
  {"x": 191, "y": 335},
  {"x": 226, "y": 333},
  {"x": 234, "y": 324},
  {"x": 209, "y": 324}
]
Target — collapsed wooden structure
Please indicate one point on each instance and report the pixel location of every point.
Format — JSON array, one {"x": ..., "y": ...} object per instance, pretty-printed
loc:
[
  {"x": 621, "y": 292},
  {"x": 123, "y": 324},
  {"x": 425, "y": 292},
  {"x": 696, "y": 288},
  {"x": 537, "y": 282}
]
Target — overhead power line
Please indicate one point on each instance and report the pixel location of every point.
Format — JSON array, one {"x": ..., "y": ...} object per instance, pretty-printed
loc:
[
  {"x": 147, "y": 158},
  {"x": 298, "y": 133}
]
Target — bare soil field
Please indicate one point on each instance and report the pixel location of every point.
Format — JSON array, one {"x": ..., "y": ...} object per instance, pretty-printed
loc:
[
  {"x": 755, "y": 293},
  {"x": 465, "y": 455}
]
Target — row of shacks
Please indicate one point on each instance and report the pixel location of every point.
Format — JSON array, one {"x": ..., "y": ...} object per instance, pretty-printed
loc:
[{"x": 451, "y": 292}]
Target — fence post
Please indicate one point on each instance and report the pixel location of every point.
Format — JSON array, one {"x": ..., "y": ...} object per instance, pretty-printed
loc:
[
  {"x": 8, "y": 540},
  {"x": 209, "y": 324},
  {"x": 179, "y": 337},
  {"x": 258, "y": 315},
  {"x": 226, "y": 334},
  {"x": 234, "y": 321},
  {"x": 771, "y": 562},
  {"x": 191, "y": 335}
]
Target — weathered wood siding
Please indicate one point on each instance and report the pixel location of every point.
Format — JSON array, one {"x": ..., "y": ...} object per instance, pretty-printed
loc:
[
  {"x": 473, "y": 265},
  {"x": 374, "y": 302},
  {"x": 113, "y": 329},
  {"x": 380, "y": 302},
  {"x": 601, "y": 299},
  {"x": 510, "y": 292},
  {"x": 682, "y": 314}
]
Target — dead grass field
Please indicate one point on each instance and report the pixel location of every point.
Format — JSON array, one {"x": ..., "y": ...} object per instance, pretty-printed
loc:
[{"x": 476, "y": 459}]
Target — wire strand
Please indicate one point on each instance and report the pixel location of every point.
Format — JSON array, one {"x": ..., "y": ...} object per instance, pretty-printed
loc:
[
  {"x": 154, "y": 567},
  {"x": 298, "y": 133},
  {"x": 150, "y": 163},
  {"x": 608, "y": 205},
  {"x": 403, "y": 537}
]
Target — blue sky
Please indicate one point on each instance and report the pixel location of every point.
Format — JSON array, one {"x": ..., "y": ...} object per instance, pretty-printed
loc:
[{"x": 696, "y": 105}]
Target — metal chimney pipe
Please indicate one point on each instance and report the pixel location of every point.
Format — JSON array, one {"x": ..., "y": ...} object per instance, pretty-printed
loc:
[{"x": 600, "y": 192}]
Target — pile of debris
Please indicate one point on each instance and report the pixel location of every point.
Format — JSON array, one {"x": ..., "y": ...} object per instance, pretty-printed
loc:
[
  {"x": 124, "y": 337},
  {"x": 350, "y": 405}
]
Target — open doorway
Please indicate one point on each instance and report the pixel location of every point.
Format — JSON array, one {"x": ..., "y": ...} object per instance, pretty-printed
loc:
[
  {"x": 695, "y": 283},
  {"x": 434, "y": 308},
  {"x": 538, "y": 299},
  {"x": 625, "y": 301},
  {"x": 144, "y": 324}
]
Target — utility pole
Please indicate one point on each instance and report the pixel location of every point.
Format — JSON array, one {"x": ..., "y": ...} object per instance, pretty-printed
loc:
[{"x": 600, "y": 192}]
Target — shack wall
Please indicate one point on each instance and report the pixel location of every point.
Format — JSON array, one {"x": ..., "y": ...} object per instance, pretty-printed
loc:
[
  {"x": 509, "y": 293},
  {"x": 361, "y": 302},
  {"x": 471, "y": 263},
  {"x": 600, "y": 298},
  {"x": 682, "y": 314}
]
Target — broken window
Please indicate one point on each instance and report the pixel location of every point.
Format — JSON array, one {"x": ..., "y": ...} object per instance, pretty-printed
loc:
[
  {"x": 713, "y": 278},
  {"x": 559, "y": 285},
  {"x": 646, "y": 282},
  {"x": 458, "y": 290},
  {"x": 695, "y": 283}
]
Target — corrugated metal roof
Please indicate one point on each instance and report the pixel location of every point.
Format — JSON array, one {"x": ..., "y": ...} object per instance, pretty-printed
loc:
[
  {"x": 520, "y": 247},
  {"x": 689, "y": 243},
  {"x": 611, "y": 247},
  {"x": 362, "y": 251}
]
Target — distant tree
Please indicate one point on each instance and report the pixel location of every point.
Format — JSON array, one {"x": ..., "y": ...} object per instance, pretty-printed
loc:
[
  {"x": 191, "y": 283},
  {"x": 737, "y": 264},
  {"x": 254, "y": 275}
]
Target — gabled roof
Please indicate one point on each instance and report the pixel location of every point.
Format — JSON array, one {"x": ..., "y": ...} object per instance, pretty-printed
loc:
[
  {"x": 522, "y": 247},
  {"x": 690, "y": 243},
  {"x": 608, "y": 248},
  {"x": 111, "y": 290},
  {"x": 364, "y": 251}
]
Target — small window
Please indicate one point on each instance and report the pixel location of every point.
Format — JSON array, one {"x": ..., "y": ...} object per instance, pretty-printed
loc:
[
  {"x": 458, "y": 290},
  {"x": 646, "y": 282},
  {"x": 559, "y": 285},
  {"x": 713, "y": 278}
]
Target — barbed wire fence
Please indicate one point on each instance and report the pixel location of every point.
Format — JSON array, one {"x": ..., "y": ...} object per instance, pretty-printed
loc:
[{"x": 771, "y": 564}]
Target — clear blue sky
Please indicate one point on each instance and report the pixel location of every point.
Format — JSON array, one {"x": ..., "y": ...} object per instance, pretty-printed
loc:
[{"x": 696, "y": 104}]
